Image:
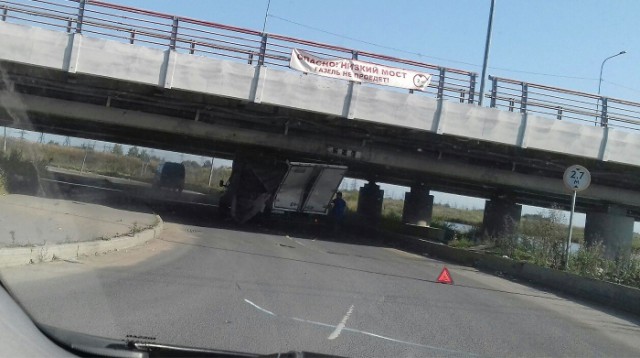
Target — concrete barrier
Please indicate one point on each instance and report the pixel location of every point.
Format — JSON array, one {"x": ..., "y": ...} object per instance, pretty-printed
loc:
[
  {"x": 494, "y": 263},
  {"x": 426, "y": 232},
  {"x": 621, "y": 297},
  {"x": 442, "y": 251},
  {"x": 14, "y": 256}
]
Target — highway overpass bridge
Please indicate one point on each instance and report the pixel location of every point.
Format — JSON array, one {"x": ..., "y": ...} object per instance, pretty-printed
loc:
[{"x": 108, "y": 72}]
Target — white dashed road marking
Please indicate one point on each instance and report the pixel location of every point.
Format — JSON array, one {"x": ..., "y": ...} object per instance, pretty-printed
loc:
[
  {"x": 341, "y": 325},
  {"x": 370, "y": 334}
]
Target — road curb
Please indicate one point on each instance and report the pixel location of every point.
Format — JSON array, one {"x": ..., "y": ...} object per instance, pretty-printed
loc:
[{"x": 15, "y": 256}]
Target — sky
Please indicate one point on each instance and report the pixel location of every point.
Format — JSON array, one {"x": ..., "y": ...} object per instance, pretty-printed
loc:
[{"x": 556, "y": 43}]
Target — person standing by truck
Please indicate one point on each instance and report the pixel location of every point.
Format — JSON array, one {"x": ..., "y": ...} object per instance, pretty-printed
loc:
[{"x": 338, "y": 210}]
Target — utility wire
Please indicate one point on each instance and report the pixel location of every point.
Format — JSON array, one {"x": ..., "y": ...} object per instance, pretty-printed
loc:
[
  {"x": 622, "y": 86},
  {"x": 425, "y": 56},
  {"x": 368, "y": 42}
]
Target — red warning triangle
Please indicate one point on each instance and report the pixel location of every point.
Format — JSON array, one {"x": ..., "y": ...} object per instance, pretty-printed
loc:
[{"x": 445, "y": 277}]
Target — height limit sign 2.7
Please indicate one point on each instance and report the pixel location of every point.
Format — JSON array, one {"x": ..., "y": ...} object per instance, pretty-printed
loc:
[{"x": 577, "y": 178}]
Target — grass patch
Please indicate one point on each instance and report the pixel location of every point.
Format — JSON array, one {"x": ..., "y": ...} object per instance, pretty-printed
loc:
[
  {"x": 461, "y": 243},
  {"x": 446, "y": 213}
]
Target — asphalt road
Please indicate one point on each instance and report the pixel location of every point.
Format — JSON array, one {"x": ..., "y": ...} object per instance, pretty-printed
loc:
[{"x": 268, "y": 291}]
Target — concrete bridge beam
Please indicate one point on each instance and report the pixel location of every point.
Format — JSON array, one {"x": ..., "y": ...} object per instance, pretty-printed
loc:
[{"x": 376, "y": 153}]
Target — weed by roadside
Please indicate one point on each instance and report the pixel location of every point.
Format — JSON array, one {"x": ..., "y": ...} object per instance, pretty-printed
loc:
[
  {"x": 135, "y": 229},
  {"x": 462, "y": 243},
  {"x": 542, "y": 242},
  {"x": 3, "y": 183},
  {"x": 590, "y": 262}
]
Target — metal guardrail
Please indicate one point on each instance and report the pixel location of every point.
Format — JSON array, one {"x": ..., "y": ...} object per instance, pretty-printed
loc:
[
  {"x": 186, "y": 35},
  {"x": 563, "y": 104}
]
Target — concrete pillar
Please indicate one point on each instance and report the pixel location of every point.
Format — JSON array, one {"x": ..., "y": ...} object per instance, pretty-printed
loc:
[
  {"x": 418, "y": 206},
  {"x": 611, "y": 227},
  {"x": 370, "y": 201},
  {"x": 501, "y": 217}
]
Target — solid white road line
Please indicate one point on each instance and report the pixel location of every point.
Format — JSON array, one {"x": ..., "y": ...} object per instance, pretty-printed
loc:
[
  {"x": 341, "y": 325},
  {"x": 260, "y": 308}
]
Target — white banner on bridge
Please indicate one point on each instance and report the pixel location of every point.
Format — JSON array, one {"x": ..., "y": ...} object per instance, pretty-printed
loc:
[{"x": 359, "y": 71}]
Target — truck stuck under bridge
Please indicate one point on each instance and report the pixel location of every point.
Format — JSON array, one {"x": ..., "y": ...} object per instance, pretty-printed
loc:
[{"x": 259, "y": 185}]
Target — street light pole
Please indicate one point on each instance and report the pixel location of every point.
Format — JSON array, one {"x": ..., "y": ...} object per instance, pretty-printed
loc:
[
  {"x": 600, "y": 81},
  {"x": 211, "y": 172},
  {"x": 602, "y": 67},
  {"x": 266, "y": 15},
  {"x": 487, "y": 45}
]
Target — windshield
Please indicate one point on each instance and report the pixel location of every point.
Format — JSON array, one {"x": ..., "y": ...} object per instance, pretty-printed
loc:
[{"x": 356, "y": 178}]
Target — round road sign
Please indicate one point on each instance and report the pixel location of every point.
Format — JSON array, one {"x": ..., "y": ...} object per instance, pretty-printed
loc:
[{"x": 577, "y": 178}]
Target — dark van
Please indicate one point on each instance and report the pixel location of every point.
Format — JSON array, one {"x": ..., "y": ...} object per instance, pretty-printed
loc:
[{"x": 170, "y": 175}]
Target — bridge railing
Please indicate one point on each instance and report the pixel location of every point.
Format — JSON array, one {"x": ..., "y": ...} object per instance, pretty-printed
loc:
[
  {"x": 563, "y": 104},
  {"x": 186, "y": 35}
]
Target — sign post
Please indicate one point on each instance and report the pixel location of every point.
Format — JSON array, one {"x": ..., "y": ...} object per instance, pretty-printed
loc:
[{"x": 577, "y": 178}]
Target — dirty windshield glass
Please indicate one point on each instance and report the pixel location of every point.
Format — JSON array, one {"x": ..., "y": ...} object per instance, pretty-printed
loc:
[{"x": 361, "y": 179}]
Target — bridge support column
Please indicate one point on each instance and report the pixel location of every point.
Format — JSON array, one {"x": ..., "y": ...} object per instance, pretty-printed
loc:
[
  {"x": 418, "y": 206},
  {"x": 370, "y": 201},
  {"x": 611, "y": 227},
  {"x": 501, "y": 217}
]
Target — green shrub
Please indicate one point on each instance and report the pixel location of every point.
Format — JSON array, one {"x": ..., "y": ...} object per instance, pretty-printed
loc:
[
  {"x": 540, "y": 240},
  {"x": 18, "y": 174},
  {"x": 589, "y": 261}
]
